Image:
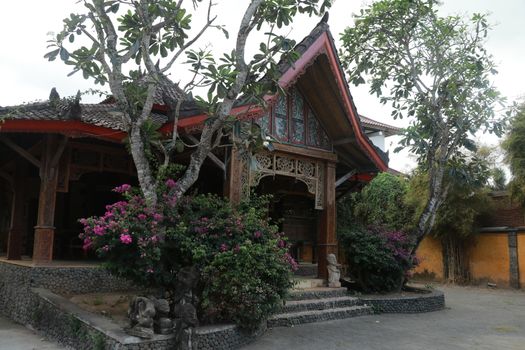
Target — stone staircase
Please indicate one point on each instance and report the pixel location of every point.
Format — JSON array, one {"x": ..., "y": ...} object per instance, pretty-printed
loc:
[{"x": 317, "y": 305}]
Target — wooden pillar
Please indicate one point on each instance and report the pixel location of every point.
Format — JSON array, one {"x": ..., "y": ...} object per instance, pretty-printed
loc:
[
  {"x": 233, "y": 183},
  {"x": 327, "y": 241},
  {"x": 45, "y": 230},
  {"x": 17, "y": 229}
]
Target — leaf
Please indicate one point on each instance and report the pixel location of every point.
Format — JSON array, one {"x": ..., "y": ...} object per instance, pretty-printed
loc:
[
  {"x": 52, "y": 54},
  {"x": 71, "y": 38},
  {"x": 64, "y": 55}
]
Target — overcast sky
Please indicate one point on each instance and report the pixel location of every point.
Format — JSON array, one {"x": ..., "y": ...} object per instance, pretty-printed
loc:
[{"x": 26, "y": 76}]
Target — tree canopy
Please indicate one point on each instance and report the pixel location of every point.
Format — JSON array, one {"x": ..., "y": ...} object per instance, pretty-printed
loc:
[
  {"x": 514, "y": 146},
  {"x": 436, "y": 71},
  {"x": 134, "y": 47}
]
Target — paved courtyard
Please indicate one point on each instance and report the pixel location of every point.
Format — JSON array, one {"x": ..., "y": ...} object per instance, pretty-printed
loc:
[
  {"x": 16, "y": 337},
  {"x": 475, "y": 318}
]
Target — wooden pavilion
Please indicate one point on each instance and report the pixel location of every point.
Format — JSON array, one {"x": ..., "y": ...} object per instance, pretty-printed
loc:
[{"x": 59, "y": 159}]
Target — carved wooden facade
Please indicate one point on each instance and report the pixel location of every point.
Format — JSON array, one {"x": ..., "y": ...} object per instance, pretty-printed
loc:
[{"x": 308, "y": 171}]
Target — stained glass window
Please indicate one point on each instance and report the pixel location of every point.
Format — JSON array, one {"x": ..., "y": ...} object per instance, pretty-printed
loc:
[
  {"x": 297, "y": 118},
  {"x": 264, "y": 123},
  {"x": 293, "y": 121},
  {"x": 317, "y": 137},
  {"x": 281, "y": 118}
]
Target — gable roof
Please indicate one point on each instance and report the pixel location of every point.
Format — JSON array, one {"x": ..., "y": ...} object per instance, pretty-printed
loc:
[{"x": 317, "y": 49}]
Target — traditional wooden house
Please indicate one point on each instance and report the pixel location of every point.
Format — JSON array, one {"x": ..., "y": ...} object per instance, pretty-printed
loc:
[{"x": 59, "y": 160}]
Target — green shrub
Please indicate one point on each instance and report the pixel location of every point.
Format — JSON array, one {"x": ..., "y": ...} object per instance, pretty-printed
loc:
[
  {"x": 150, "y": 245},
  {"x": 246, "y": 285},
  {"x": 379, "y": 259}
]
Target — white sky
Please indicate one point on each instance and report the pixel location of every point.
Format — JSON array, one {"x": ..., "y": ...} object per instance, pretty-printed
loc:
[{"x": 26, "y": 76}]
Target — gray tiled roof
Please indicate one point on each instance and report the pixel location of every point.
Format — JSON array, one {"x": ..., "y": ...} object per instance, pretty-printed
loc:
[
  {"x": 368, "y": 123},
  {"x": 104, "y": 115}
]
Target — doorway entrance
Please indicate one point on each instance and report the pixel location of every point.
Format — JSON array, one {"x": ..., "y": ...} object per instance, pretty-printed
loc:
[{"x": 292, "y": 208}]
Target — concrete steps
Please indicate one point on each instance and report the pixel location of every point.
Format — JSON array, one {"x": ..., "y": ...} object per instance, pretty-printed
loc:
[
  {"x": 317, "y": 293},
  {"x": 296, "y": 318},
  {"x": 318, "y": 305}
]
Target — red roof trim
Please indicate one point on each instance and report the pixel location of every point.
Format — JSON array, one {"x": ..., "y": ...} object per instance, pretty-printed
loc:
[
  {"x": 72, "y": 128},
  {"x": 240, "y": 111}
]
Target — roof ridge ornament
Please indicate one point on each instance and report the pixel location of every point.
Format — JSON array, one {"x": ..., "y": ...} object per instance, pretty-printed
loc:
[{"x": 325, "y": 17}]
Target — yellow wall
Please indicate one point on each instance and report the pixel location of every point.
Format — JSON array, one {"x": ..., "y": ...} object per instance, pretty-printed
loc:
[
  {"x": 521, "y": 258},
  {"x": 489, "y": 258},
  {"x": 430, "y": 255}
]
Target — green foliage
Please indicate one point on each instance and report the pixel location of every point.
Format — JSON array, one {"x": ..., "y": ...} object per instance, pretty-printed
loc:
[
  {"x": 159, "y": 31},
  {"x": 379, "y": 259},
  {"x": 467, "y": 201},
  {"x": 381, "y": 202},
  {"x": 240, "y": 254},
  {"x": 514, "y": 146},
  {"x": 245, "y": 285},
  {"x": 434, "y": 70},
  {"x": 429, "y": 67},
  {"x": 98, "y": 341},
  {"x": 372, "y": 228}
]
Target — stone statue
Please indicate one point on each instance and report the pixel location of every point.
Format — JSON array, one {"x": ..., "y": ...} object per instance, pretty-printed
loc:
[
  {"x": 334, "y": 274},
  {"x": 140, "y": 313},
  {"x": 149, "y": 316},
  {"x": 184, "y": 309}
]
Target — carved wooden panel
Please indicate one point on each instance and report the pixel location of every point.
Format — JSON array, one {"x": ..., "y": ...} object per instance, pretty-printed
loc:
[{"x": 310, "y": 172}]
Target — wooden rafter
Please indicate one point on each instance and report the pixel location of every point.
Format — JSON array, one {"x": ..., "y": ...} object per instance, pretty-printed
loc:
[
  {"x": 345, "y": 177},
  {"x": 21, "y": 151}
]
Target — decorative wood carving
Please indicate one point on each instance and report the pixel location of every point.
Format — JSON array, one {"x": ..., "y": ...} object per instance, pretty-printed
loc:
[{"x": 310, "y": 172}]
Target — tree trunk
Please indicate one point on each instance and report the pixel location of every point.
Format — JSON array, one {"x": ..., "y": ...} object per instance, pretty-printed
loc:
[{"x": 145, "y": 177}]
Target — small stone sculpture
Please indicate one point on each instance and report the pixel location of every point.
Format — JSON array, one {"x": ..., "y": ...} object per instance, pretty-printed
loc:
[
  {"x": 149, "y": 316},
  {"x": 334, "y": 274},
  {"x": 184, "y": 309},
  {"x": 141, "y": 312}
]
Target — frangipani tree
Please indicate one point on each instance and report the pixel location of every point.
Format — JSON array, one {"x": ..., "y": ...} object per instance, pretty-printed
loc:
[
  {"x": 135, "y": 46},
  {"x": 436, "y": 71}
]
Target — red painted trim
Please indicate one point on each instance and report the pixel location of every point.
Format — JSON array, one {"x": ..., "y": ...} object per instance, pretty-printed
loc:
[
  {"x": 365, "y": 177},
  {"x": 320, "y": 44},
  {"x": 198, "y": 119},
  {"x": 73, "y": 128}
]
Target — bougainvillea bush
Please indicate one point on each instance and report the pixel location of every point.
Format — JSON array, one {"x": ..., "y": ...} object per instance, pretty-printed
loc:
[
  {"x": 244, "y": 262},
  {"x": 379, "y": 258}
]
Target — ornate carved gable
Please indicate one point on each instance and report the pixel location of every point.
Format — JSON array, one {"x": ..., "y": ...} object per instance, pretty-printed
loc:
[{"x": 291, "y": 120}]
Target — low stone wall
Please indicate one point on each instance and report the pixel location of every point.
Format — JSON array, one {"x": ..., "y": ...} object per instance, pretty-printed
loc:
[
  {"x": 28, "y": 296},
  {"x": 406, "y": 304},
  {"x": 77, "y": 280}
]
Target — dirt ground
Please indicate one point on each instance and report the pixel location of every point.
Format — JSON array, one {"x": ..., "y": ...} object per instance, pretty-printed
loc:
[{"x": 111, "y": 305}]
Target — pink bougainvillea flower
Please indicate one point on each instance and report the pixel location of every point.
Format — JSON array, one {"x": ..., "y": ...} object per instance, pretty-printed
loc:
[
  {"x": 99, "y": 230},
  {"x": 171, "y": 183},
  {"x": 150, "y": 270},
  {"x": 122, "y": 188},
  {"x": 257, "y": 234},
  {"x": 141, "y": 217},
  {"x": 126, "y": 239},
  {"x": 223, "y": 247},
  {"x": 87, "y": 244}
]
